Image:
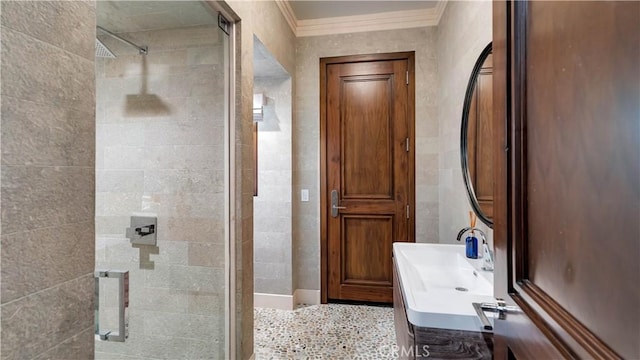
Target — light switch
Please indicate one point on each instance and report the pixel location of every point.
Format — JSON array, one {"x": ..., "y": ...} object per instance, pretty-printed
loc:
[{"x": 304, "y": 195}]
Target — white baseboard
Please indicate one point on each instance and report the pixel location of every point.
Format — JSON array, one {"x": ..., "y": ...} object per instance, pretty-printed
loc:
[
  {"x": 286, "y": 302},
  {"x": 309, "y": 297},
  {"x": 273, "y": 301}
]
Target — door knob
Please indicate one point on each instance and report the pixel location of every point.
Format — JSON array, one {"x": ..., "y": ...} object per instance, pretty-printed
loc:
[{"x": 334, "y": 203}]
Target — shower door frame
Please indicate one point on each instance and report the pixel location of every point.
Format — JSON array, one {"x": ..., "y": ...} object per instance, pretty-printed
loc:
[{"x": 230, "y": 185}]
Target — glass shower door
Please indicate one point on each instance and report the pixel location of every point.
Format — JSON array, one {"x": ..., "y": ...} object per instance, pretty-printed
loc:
[{"x": 162, "y": 180}]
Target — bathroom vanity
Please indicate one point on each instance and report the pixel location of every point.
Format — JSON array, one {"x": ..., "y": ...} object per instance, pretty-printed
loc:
[{"x": 434, "y": 288}]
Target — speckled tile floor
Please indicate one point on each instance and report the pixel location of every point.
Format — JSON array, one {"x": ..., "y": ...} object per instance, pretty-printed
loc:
[{"x": 329, "y": 331}]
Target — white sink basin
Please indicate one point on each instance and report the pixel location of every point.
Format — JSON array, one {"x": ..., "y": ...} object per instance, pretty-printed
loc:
[{"x": 439, "y": 285}]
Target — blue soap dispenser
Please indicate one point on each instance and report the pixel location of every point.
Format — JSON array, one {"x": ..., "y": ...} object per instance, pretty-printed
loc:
[{"x": 471, "y": 242}]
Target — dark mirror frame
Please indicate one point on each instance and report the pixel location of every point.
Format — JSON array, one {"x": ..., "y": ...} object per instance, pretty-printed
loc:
[{"x": 463, "y": 136}]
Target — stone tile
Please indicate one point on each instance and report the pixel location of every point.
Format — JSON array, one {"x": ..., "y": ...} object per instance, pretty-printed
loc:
[
  {"x": 164, "y": 300},
  {"x": 34, "y": 324},
  {"x": 193, "y": 181},
  {"x": 161, "y": 63},
  {"x": 183, "y": 325},
  {"x": 122, "y": 181},
  {"x": 37, "y": 197},
  {"x": 203, "y": 132},
  {"x": 46, "y": 134},
  {"x": 205, "y": 55},
  {"x": 206, "y": 254},
  {"x": 55, "y": 255},
  {"x": 205, "y": 303},
  {"x": 79, "y": 346},
  {"x": 43, "y": 21},
  {"x": 123, "y": 157},
  {"x": 109, "y": 225},
  {"x": 191, "y": 229},
  {"x": 273, "y": 223},
  {"x": 145, "y": 347},
  {"x": 206, "y": 205},
  {"x": 39, "y": 72},
  {"x": 118, "y": 134},
  {"x": 115, "y": 205},
  {"x": 184, "y": 157},
  {"x": 189, "y": 278},
  {"x": 181, "y": 38}
]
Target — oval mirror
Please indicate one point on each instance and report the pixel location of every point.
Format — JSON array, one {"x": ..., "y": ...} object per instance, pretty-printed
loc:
[{"x": 476, "y": 138}]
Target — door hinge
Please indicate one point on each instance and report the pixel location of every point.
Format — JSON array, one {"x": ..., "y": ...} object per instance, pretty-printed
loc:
[
  {"x": 406, "y": 142},
  {"x": 407, "y": 77},
  {"x": 408, "y": 212}
]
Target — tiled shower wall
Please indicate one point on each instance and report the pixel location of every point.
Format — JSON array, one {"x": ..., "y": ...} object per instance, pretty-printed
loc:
[
  {"x": 272, "y": 206},
  {"x": 47, "y": 171},
  {"x": 463, "y": 32},
  {"x": 160, "y": 150},
  {"x": 306, "y": 135}
]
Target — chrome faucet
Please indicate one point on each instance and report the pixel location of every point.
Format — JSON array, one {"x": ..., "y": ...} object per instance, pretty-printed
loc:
[{"x": 487, "y": 256}]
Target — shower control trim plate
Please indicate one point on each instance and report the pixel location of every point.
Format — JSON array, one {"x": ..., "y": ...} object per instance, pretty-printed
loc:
[{"x": 143, "y": 230}]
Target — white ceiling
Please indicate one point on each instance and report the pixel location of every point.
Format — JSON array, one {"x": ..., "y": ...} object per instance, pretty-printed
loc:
[
  {"x": 313, "y": 9},
  {"x": 305, "y": 17}
]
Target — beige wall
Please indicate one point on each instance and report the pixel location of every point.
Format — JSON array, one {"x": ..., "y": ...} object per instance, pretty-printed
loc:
[
  {"x": 272, "y": 206},
  {"x": 264, "y": 19},
  {"x": 47, "y": 186},
  {"x": 306, "y": 135},
  {"x": 463, "y": 32},
  {"x": 162, "y": 153}
]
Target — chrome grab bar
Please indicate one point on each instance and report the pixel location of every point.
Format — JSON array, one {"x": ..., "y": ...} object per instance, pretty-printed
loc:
[{"x": 123, "y": 304}]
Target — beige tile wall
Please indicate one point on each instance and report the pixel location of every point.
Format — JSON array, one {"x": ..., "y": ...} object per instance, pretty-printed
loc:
[
  {"x": 264, "y": 20},
  {"x": 47, "y": 179},
  {"x": 272, "y": 218},
  {"x": 163, "y": 153},
  {"x": 463, "y": 32},
  {"x": 306, "y": 135}
]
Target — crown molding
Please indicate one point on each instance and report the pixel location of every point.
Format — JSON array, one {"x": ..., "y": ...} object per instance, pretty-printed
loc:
[
  {"x": 360, "y": 23},
  {"x": 289, "y": 15},
  {"x": 439, "y": 10}
]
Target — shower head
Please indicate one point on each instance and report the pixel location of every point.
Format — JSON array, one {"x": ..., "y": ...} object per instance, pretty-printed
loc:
[{"x": 102, "y": 51}]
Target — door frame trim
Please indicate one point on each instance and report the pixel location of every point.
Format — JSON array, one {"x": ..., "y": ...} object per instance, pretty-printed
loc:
[{"x": 324, "y": 210}]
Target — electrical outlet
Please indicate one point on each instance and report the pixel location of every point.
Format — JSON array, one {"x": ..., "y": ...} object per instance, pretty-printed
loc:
[{"x": 304, "y": 195}]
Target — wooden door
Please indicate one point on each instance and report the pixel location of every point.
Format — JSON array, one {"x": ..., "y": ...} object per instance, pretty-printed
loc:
[
  {"x": 567, "y": 195},
  {"x": 367, "y": 157}
]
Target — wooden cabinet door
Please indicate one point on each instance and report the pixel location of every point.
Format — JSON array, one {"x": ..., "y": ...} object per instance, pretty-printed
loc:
[
  {"x": 567, "y": 171},
  {"x": 367, "y": 159}
]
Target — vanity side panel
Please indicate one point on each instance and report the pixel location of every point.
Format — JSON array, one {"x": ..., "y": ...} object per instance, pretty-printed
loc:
[{"x": 404, "y": 329}]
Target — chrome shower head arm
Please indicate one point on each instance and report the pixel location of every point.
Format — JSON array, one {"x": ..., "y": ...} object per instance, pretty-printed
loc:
[{"x": 143, "y": 50}]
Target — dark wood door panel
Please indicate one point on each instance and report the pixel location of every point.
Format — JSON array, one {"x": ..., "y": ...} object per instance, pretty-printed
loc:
[
  {"x": 366, "y": 137},
  {"x": 366, "y": 249},
  {"x": 567, "y": 79},
  {"x": 367, "y": 116}
]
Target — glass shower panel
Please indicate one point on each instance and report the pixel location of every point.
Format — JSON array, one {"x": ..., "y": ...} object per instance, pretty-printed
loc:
[{"x": 162, "y": 152}]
